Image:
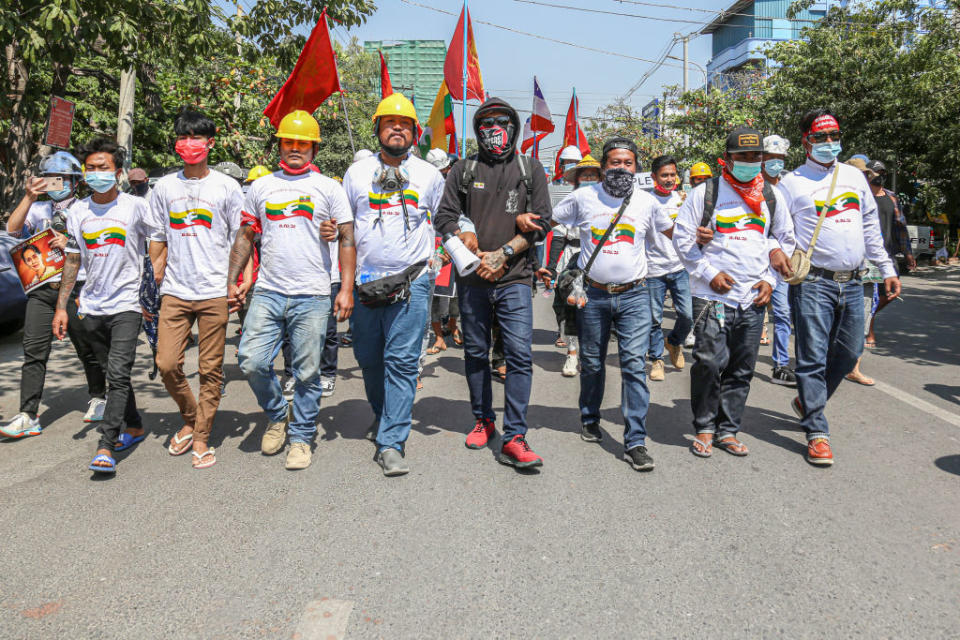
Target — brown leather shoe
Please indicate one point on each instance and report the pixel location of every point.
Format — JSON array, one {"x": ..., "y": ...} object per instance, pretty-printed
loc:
[{"x": 819, "y": 452}]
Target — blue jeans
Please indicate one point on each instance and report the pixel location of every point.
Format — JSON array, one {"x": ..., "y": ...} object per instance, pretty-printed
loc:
[
  {"x": 781, "y": 325},
  {"x": 513, "y": 307},
  {"x": 678, "y": 283},
  {"x": 828, "y": 318},
  {"x": 386, "y": 342},
  {"x": 629, "y": 312},
  {"x": 304, "y": 319}
]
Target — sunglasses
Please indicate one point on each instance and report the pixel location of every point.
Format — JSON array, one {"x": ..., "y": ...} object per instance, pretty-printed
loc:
[
  {"x": 503, "y": 121},
  {"x": 823, "y": 136}
]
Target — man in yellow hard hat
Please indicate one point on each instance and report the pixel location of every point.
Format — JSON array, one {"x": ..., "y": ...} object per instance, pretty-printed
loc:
[
  {"x": 293, "y": 291},
  {"x": 255, "y": 173},
  {"x": 700, "y": 173},
  {"x": 392, "y": 195}
]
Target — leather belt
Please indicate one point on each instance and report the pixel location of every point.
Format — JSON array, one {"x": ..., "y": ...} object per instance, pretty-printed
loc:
[
  {"x": 614, "y": 288},
  {"x": 836, "y": 276}
]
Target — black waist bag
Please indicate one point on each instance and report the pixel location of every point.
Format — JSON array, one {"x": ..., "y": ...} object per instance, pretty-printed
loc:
[{"x": 389, "y": 290}]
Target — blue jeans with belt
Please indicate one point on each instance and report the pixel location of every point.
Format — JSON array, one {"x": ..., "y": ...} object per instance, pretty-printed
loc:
[
  {"x": 629, "y": 313},
  {"x": 387, "y": 343},
  {"x": 828, "y": 318}
]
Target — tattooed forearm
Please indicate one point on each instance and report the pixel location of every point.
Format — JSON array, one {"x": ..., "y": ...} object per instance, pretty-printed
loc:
[
  {"x": 346, "y": 235},
  {"x": 519, "y": 244},
  {"x": 68, "y": 279},
  {"x": 240, "y": 253}
]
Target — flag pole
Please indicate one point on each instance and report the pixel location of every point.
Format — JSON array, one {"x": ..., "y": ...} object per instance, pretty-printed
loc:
[
  {"x": 576, "y": 115},
  {"x": 466, "y": 43}
]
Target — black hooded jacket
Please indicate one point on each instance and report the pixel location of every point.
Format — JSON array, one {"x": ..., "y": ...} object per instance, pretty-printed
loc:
[{"x": 497, "y": 196}]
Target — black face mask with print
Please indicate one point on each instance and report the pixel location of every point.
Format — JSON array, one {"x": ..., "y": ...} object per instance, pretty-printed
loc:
[
  {"x": 618, "y": 182},
  {"x": 495, "y": 139}
]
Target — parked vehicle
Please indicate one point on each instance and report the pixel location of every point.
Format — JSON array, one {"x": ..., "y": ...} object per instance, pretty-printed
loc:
[{"x": 13, "y": 301}]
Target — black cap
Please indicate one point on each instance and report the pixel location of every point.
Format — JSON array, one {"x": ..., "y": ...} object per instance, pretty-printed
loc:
[
  {"x": 619, "y": 143},
  {"x": 877, "y": 167},
  {"x": 744, "y": 139}
]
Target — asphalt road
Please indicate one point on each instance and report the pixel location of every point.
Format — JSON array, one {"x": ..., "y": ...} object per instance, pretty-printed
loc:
[{"x": 462, "y": 547}]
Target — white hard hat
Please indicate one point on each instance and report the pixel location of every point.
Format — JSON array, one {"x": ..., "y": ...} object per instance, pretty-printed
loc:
[
  {"x": 362, "y": 154},
  {"x": 438, "y": 158},
  {"x": 571, "y": 153},
  {"x": 776, "y": 144}
]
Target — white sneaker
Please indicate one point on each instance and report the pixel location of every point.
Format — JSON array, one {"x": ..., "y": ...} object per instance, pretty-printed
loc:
[
  {"x": 327, "y": 387},
  {"x": 570, "y": 365},
  {"x": 688, "y": 343},
  {"x": 21, "y": 426},
  {"x": 288, "y": 388},
  {"x": 95, "y": 410}
]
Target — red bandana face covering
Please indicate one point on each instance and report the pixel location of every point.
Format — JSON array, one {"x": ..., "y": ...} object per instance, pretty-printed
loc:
[
  {"x": 751, "y": 192},
  {"x": 661, "y": 191},
  {"x": 298, "y": 172}
]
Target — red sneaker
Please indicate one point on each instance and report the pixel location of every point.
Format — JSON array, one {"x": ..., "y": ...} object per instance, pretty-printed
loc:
[
  {"x": 483, "y": 431},
  {"x": 819, "y": 452},
  {"x": 519, "y": 454}
]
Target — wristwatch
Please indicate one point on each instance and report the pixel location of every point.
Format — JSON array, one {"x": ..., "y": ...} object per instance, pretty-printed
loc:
[{"x": 507, "y": 251}]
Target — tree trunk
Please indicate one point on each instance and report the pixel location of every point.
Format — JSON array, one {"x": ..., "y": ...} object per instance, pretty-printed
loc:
[{"x": 19, "y": 140}]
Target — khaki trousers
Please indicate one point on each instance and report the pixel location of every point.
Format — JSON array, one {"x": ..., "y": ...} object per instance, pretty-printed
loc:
[{"x": 176, "y": 320}]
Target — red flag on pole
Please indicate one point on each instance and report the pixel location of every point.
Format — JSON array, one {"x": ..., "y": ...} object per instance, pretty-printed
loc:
[
  {"x": 573, "y": 136},
  {"x": 386, "y": 87},
  {"x": 453, "y": 66},
  {"x": 313, "y": 78}
]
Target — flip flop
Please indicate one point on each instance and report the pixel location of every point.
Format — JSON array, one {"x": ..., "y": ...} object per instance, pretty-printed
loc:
[
  {"x": 560, "y": 343},
  {"x": 457, "y": 338},
  {"x": 705, "y": 450},
  {"x": 731, "y": 446},
  {"x": 861, "y": 379},
  {"x": 764, "y": 341},
  {"x": 100, "y": 469},
  {"x": 199, "y": 463},
  {"x": 176, "y": 442},
  {"x": 434, "y": 350},
  {"x": 870, "y": 345},
  {"x": 125, "y": 441}
]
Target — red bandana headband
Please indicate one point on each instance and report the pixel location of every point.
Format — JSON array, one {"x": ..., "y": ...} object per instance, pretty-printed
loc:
[{"x": 826, "y": 122}]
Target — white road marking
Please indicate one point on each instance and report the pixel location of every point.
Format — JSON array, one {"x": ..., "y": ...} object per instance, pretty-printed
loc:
[
  {"x": 923, "y": 405},
  {"x": 324, "y": 620}
]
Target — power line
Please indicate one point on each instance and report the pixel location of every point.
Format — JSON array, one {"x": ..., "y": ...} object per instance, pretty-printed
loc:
[
  {"x": 534, "y": 35},
  {"x": 609, "y": 13}
]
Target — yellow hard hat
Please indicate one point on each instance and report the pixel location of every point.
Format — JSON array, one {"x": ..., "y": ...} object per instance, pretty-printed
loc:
[
  {"x": 257, "y": 172},
  {"x": 588, "y": 162},
  {"x": 701, "y": 169},
  {"x": 396, "y": 104},
  {"x": 299, "y": 125}
]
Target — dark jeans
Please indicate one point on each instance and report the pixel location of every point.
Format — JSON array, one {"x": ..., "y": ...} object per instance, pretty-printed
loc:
[
  {"x": 37, "y": 340},
  {"x": 114, "y": 340},
  {"x": 828, "y": 319},
  {"x": 331, "y": 344},
  {"x": 723, "y": 363},
  {"x": 512, "y": 306},
  {"x": 629, "y": 312}
]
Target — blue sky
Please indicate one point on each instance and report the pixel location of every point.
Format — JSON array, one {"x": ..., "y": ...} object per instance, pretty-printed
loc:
[{"x": 509, "y": 61}]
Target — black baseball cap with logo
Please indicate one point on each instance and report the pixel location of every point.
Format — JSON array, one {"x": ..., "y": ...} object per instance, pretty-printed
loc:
[{"x": 744, "y": 139}]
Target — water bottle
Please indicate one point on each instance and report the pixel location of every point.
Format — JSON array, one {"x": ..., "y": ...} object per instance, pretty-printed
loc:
[{"x": 369, "y": 276}]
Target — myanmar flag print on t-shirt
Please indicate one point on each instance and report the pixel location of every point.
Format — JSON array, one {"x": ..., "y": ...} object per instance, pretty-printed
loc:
[
  {"x": 301, "y": 207},
  {"x": 744, "y": 222},
  {"x": 621, "y": 233},
  {"x": 191, "y": 218},
  {"x": 381, "y": 201},
  {"x": 843, "y": 203},
  {"x": 110, "y": 235}
]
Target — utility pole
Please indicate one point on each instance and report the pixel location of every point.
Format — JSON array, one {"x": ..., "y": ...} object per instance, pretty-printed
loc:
[
  {"x": 128, "y": 89},
  {"x": 686, "y": 39}
]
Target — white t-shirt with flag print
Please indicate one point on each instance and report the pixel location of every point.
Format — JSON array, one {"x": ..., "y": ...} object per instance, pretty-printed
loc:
[
  {"x": 111, "y": 241},
  {"x": 623, "y": 257},
  {"x": 663, "y": 257},
  {"x": 386, "y": 243},
  {"x": 294, "y": 260},
  {"x": 198, "y": 219}
]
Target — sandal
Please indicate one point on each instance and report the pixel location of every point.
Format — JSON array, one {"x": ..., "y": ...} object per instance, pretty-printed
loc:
[
  {"x": 701, "y": 449},
  {"x": 732, "y": 446},
  {"x": 174, "y": 448},
  {"x": 457, "y": 338},
  {"x": 764, "y": 341},
  {"x": 870, "y": 344},
  {"x": 435, "y": 349},
  {"x": 96, "y": 468},
  {"x": 199, "y": 463},
  {"x": 560, "y": 343},
  {"x": 500, "y": 372},
  {"x": 859, "y": 378},
  {"x": 125, "y": 441}
]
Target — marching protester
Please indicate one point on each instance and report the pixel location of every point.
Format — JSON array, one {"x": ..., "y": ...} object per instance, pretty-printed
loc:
[
  {"x": 732, "y": 279},
  {"x": 617, "y": 223},
  {"x": 836, "y": 222},
  {"x": 443, "y": 307},
  {"x": 506, "y": 198},
  {"x": 30, "y": 217},
  {"x": 699, "y": 173},
  {"x": 392, "y": 195},
  {"x": 195, "y": 214},
  {"x": 774, "y": 154},
  {"x": 293, "y": 289},
  {"x": 666, "y": 273},
  {"x": 107, "y": 233}
]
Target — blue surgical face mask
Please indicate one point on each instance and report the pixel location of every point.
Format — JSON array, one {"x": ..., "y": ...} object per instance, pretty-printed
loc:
[
  {"x": 774, "y": 167},
  {"x": 101, "y": 181},
  {"x": 745, "y": 171},
  {"x": 64, "y": 193},
  {"x": 825, "y": 152}
]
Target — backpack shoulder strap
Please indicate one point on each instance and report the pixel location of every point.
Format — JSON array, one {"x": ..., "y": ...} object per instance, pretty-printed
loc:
[
  {"x": 771, "y": 199},
  {"x": 466, "y": 178},
  {"x": 710, "y": 201},
  {"x": 525, "y": 176}
]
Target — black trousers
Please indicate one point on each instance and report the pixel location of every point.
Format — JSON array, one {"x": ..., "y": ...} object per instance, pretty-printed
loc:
[
  {"x": 114, "y": 339},
  {"x": 723, "y": 362},
  {"x": 37, "y": 341}
]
